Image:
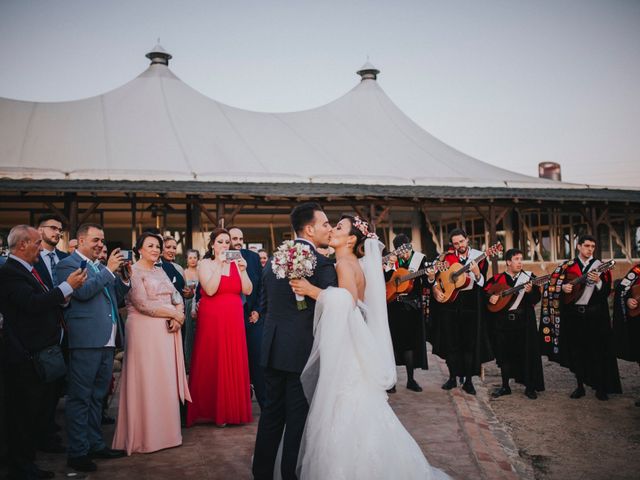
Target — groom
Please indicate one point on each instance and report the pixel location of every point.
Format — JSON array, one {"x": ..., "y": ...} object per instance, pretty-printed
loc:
[{"x": 286, "y": 345}]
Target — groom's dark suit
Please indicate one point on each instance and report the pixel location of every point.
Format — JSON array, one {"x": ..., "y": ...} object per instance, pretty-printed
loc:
[{"x": 286, "y": 345}]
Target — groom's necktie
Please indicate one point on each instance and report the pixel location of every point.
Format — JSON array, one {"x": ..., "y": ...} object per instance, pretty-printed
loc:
[{"x": 114, "y": 311}]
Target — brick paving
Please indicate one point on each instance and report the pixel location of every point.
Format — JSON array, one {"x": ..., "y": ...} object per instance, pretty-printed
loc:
[{"x": 457, "y": 432}]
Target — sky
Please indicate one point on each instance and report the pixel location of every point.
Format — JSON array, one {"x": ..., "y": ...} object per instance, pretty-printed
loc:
[{"x": 510, "y": 82}]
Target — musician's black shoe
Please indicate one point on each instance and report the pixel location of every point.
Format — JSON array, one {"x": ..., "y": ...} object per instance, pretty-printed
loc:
[
  {"x": 468, "y": 387},
  {"x": 601, "y": 395},
  {"x": 500, "y": 392},
  {"x": 392, "y": 390},
  {"x": 449, "y": 384},
  {"x": 578, "y": 393},
  {"x": 530, "y": 394},
  {"x": 413, "y": 385}
]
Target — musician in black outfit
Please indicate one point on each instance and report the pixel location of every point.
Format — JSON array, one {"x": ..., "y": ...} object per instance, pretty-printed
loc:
[
  {"x": 406, "y": 319},
  {"x": 458, "y": 331},
  {"x": 514, "y": 329},
  {"x": 580, "y": 335}
]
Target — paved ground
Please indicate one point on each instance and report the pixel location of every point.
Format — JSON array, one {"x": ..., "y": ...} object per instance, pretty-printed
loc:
[{"x": 457, "y": 432}]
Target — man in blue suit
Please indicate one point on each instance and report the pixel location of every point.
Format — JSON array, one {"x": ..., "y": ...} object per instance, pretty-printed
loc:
[
  {"x": 253, "y": 321},
  {"x": 91, "y": 319},
  {"x": 50, "y": 228},
  {"x": 286, "y": 345}
]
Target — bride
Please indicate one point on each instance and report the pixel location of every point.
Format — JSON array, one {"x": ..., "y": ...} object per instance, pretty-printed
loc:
[{"x": 351, "y": 431}]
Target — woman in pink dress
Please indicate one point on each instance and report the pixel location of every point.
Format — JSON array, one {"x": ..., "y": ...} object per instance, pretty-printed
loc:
[
  {"x": 219, "y": 379},
  {"x": 153, "y": 380}
]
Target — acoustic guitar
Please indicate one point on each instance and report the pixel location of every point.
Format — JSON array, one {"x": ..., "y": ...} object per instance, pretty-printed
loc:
[
  {"x": 454, "y": 278},
  {"x": 402, "y": 279},
  {"x": 507, "y": 293},
  {"x": 635, "y": 294},
  {"x": 580, "y": 281},
  {"x": 404, "y": 248}
]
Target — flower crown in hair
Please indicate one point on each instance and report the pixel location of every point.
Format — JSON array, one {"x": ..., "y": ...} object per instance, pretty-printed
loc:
[{"x": 363, "y": 227}]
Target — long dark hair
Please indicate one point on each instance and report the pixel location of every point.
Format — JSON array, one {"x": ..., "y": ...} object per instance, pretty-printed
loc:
[{"x": 358, "y": 248}]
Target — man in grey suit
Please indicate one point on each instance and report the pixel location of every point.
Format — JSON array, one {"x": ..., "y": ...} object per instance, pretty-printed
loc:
[{"x": 91, "y": 319}]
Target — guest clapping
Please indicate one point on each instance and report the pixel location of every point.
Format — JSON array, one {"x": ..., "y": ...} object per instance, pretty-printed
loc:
[
  {"x": 219, "y": 381},
  {"x": 153, "y": 380}
]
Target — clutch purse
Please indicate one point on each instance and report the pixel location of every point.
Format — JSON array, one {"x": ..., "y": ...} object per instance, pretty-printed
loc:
[{"x": 49, "y": 363}]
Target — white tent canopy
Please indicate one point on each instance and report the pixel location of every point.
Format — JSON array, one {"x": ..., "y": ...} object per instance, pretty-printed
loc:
[{"x": 158, "y": 128}]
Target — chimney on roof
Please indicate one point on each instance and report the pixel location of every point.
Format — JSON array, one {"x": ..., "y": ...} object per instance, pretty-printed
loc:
[
  {"x": 159, "y": 55},
  {"x": 368, "y": 72},
  {"x": 550, "y": 170}
]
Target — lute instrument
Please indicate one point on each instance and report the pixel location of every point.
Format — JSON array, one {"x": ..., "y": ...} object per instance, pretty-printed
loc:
[
  {"x": 507, "y": 293},
  {"x": 402, "y": 279},
  {"x": 579, "y": 282},
  {"x": 635, "y": 294},
  {"x": 455, "y": 278}
]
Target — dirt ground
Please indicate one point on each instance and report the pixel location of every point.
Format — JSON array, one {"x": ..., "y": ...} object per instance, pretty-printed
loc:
[{"x": 573, "y": 439}]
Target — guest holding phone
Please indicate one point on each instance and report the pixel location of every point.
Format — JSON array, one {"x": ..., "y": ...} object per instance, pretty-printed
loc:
[
  {"x": 219, "y": 380},
  {"x": 153, "y": 380}
]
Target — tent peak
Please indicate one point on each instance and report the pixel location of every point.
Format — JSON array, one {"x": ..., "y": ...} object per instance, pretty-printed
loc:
[
  {"x": 368, "y": 71},
  {"x": 159, "y": 55}
]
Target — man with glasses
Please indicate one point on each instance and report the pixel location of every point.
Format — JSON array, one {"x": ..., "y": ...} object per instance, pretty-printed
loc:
[{"x": 50, "y": 228}]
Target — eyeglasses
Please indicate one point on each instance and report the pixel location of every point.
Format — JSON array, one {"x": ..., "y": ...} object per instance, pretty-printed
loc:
[{"x": 54, "y": 228}]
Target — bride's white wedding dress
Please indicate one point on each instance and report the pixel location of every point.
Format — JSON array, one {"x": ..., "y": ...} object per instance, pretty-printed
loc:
[{"x": 351, "y": 431}]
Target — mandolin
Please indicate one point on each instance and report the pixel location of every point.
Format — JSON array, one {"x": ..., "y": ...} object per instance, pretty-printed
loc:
[
  {"x": 580, "y": 281},
  {"x": 635, "y": 294},
  {"x": 402, "y": 279},
  {"x": 404, "y": 248},
  {"x": 507, "y": 293},
  {"x": 454, "y": 278}
]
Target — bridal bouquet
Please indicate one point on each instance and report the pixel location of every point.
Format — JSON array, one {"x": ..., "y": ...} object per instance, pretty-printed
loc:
[{"x": 294, "y": 260}]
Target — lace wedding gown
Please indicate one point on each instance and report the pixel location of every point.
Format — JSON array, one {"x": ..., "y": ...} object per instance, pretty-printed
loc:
[{"x": 351, "y": 431}]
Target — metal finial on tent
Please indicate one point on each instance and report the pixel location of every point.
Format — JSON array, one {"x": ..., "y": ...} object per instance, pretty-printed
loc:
[
  {"x": 368, "y": 71},
  {"x": 159, "y": 55}
]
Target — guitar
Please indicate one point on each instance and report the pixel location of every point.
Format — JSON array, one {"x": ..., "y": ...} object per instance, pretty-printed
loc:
[
  {"x": 580, "y": 281},
  {"x": 506, "y": 293},
  {"x": 635, "y": 294},
  {"x": 404, "y": 248},
  {"x": 402, "y": 279},
  {"x": 454, "y": 278}
]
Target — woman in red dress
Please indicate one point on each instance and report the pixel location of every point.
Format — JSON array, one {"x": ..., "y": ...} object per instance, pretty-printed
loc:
[{"x": 219, "y": 380}]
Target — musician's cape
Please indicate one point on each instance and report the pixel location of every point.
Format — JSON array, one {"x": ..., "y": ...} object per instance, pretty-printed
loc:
[
  {"x": 556, "y": 318},
  {"x": 626, "y": 329},
  {"x": 516, "y": 341},
  {"x": 470, "y": 305}
]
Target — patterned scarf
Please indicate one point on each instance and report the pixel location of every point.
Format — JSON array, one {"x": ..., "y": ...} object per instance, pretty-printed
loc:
[{"x": 551, "y": 308}]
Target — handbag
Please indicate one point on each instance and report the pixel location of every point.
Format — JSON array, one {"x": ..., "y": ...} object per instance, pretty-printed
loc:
[{"x": 49, "y": 363}]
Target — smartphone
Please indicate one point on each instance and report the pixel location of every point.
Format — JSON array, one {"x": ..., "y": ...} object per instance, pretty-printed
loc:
[
  {"x": 83, "y": 264},
  {"x": 127, "y": 255},
  {"x": 231, "y": 255}
]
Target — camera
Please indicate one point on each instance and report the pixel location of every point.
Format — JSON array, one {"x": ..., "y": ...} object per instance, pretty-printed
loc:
[{"x": 127, "y": 255}]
